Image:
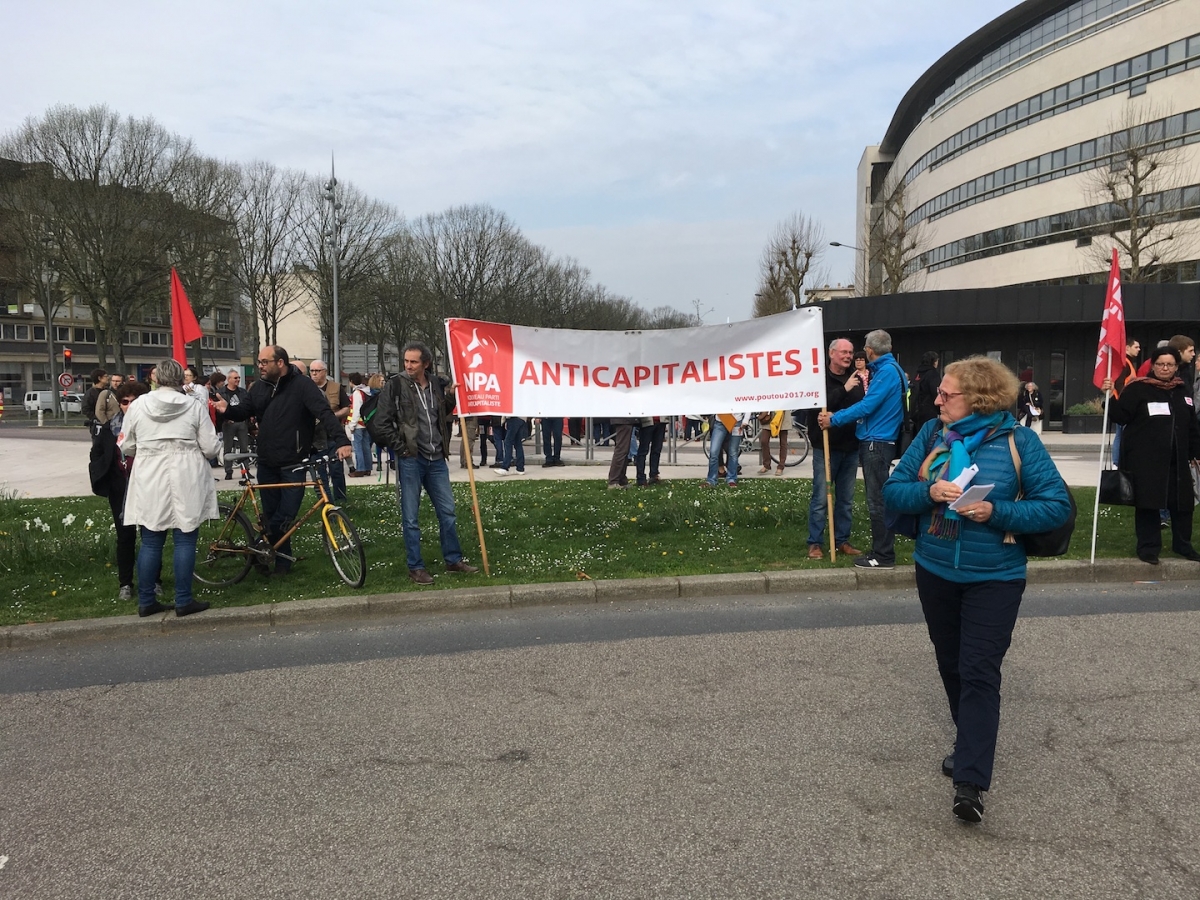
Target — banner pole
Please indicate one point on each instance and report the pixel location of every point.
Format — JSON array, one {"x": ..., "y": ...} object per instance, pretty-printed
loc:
[
  {"x": 1100, "y": 469},
  {"x": 829, "y": 494},
  {"x": 462, "y": 429}
]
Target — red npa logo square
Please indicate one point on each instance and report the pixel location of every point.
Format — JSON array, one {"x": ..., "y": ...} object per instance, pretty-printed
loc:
[{"x": 483, "y": 362}]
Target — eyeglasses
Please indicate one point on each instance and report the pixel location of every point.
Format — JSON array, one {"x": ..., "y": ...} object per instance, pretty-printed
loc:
[
  {"x": 264, "y": 362},
  {"x": 945, "y": 395}
]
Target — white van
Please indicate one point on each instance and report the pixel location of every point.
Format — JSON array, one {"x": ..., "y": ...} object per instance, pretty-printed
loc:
[{"x": 35, "y": 400}]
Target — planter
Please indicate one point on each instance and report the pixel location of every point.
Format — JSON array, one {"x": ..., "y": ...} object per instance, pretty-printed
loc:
[{"x": 1082, "y": 424}]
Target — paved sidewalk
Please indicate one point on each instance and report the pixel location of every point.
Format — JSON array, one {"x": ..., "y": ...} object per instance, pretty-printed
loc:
[{"x": 52, "y": 462}]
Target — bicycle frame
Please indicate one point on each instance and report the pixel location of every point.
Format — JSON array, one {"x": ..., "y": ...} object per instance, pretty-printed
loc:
[{"x": 250, "y": 492}]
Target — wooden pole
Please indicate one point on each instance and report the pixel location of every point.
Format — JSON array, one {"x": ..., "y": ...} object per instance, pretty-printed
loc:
[
  {"x": 462, "y": 427},
  {"x": 829, "y": 495}
]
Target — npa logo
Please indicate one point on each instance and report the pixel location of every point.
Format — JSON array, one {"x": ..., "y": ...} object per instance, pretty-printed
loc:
[{"x": 483, "y": 364}]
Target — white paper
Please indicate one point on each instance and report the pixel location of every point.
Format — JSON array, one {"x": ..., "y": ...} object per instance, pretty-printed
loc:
[
  {"x": 1158, "y": 409},
  {"x": 971, "y": 495},
  {"x": 966, "y": 476}
]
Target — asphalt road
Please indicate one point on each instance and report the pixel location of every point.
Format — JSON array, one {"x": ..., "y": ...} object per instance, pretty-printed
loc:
[{"x": 746, "y": 747}]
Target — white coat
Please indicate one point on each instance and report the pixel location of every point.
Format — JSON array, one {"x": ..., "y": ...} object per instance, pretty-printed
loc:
[{"x": 171, "y": 439}]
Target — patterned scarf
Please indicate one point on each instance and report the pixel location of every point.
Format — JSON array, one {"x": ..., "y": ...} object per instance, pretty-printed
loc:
[{"x": 955, "y": 451}]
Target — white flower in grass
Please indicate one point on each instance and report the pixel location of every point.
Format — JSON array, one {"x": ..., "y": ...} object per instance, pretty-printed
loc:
[
  {"x": 68, "y": 519},
  {"x": 38, "y": 521},
  {"x": 88, "y": 523},
  {"x": 45, "y": 527}
]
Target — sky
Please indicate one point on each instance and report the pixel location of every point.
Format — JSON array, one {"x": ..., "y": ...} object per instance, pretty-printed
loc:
[{"x": 657, "y": 143}]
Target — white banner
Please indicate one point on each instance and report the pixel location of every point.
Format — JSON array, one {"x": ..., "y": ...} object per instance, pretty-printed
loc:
[{"x": 776, "y": 362}]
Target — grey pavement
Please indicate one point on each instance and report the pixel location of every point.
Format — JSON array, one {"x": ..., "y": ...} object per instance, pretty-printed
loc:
[
  {"x": 720, "y": 748},
  {"x": 52, "y": 461}
]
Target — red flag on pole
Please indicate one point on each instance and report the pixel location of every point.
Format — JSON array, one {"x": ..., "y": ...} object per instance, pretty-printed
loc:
[
  {"x": 184, "y": 326},
  {"x": 1110, "y": 354}
]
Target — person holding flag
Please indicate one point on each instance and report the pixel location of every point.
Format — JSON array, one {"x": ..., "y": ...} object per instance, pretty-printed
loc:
[{"x": 1161, "y": 436}]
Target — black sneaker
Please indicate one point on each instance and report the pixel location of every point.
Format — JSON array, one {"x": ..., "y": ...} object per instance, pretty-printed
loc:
[
  {"x": 967, "y": 805},
  {"x": 948, "y": 765},
  {"x": 870, "y": 562}
]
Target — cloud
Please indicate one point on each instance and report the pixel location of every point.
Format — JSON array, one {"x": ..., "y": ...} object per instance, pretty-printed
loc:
[{"x": 616, "y": 123}]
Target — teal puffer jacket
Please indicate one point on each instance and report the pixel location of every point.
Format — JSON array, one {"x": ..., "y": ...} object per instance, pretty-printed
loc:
[{"x": 979, "y": 553}]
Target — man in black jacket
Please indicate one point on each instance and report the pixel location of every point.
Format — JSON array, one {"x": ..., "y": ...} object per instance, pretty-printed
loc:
[
  {"x": 413, "y": 417},
  {"x": 287, "y": 406},
  {"x": 842, "y": 390},
  {"x": 234, "y": 433}
]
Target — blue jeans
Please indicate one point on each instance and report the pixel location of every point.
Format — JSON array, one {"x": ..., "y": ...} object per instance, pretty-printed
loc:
[
  {"x": 362, "y": 450},
  {"x": 280, "y": 507},
  {"x": 434, "y": 476},
  {"x": 971, "y": 626},
  {"x": 717, "y": 440},
  {"x": 149, "y": 564},
  {"x": 514, "y": 448},
  {"x": 552, "y": 439},
  {"x": 875, "y": 457},
  {"x": 844, "y": 467}
]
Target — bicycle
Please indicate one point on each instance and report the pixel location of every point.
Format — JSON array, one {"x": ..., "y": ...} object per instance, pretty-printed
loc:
[
  {"x": 228, "y": 547},
  {"x": 799, "y": 443}
]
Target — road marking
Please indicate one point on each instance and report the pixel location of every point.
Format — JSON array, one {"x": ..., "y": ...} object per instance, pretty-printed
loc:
[{"x": 3, "y": 860}]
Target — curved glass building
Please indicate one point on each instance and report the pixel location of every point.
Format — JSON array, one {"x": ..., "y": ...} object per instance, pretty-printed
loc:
[{"x": 1026, "y": 152}]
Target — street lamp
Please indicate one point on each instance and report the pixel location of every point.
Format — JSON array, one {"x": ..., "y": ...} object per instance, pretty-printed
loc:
[
  {"x": 333, "y": 235},
  {"x": 49, "y": 280},
  {"x": 850, "y": 246}
]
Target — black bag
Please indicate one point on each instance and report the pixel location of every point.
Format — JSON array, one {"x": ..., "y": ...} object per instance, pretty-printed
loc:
[
  {"x": 1115, "y": 488},
  {"x": 908, "y": 428},
  {"x": 906, "y": 524},
  {"x": 1055, "y": 542},
  {"x": 366, "y": 412}
]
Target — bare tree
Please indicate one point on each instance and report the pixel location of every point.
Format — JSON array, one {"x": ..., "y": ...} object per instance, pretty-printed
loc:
[
  {"x": 107, "y": 185},
  {"x": 359, "y": 227},
  {"x": 399, "y": 310},
  {"x": 1141, "y": 190},
  {"x": 266, "y": 212},
  {"x": 794, "y": 249},
  {"x": 894, "y": 242}
]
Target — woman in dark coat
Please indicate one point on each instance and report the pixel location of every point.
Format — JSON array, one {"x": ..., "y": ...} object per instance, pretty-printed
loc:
[
  {"x": 1029, "y": 407},
  {"x": 1161, "y": 436},
  {"x": 924, "y": 390}
]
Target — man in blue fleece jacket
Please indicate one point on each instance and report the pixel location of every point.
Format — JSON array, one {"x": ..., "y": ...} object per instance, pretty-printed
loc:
[{"x": 878, "y": 417}]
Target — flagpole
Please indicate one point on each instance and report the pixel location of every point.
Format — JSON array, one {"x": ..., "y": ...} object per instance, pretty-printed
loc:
[
  {"x": 1100, "y": 470},
  {"x": 829, "y": 495},
  {"x": 462, "y": 430}
]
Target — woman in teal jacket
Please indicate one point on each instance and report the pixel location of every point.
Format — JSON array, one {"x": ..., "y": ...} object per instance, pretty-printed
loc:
[{"x": 970, "y": 564}]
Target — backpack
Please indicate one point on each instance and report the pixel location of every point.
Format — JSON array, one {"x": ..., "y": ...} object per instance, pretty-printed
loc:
[
  {"x": 908, "y": 427},
  {"x": 366, "y": 414},
  {"x": 1055, "y": 542}
]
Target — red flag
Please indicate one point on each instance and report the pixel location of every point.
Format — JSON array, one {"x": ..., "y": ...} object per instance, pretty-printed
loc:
[
  {"x": 184, "y": 326},
  {"x": 1110, "y": 354}
]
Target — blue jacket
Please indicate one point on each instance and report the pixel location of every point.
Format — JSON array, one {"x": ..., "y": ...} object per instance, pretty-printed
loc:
[
  {"x": 979, "y": 553},
  {"x": 880, "y": 413}
]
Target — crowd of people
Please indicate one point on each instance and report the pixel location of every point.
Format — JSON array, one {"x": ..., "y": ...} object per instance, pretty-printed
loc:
[{"x": 970, "y": 423}]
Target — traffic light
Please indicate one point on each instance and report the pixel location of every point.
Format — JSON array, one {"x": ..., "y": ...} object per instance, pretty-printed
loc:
[{"x": 66, "y": 356}]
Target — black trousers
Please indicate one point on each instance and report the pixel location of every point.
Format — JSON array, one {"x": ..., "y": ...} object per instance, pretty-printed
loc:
[
  {"x": 650, "y": 444},
  {"x": 971, "y": 626},
  {"x": 1147, "y": 525}
]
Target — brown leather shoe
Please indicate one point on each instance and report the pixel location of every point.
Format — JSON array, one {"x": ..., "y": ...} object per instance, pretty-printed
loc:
[
  {"x": 420, "y": 576},
  {"x": 461, "y": 567},
  {"x": 849, "y": 550},
  {"x": 815, "y": 551}
]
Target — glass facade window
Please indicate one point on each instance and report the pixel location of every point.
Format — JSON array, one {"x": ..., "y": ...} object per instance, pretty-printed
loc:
[{"x": 1177, "y": 57}]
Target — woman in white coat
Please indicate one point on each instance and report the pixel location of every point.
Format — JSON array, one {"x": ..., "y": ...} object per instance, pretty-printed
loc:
[{"x": 171, "y": 488}]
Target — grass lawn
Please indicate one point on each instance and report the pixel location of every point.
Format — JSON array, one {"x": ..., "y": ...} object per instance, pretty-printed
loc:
[{"x": 58, "y": 557}]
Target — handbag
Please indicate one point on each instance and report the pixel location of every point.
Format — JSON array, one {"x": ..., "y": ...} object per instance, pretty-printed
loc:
[
  {"x": 1056, "y": 541},
  {"x": 1115, "y": 488}
]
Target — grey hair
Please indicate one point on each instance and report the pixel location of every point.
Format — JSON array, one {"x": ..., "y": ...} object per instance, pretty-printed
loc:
[
  {"x": 878, "y": 342},
  {"x": 237, "y": 372},
  {"x": 837, "y": 341},
  {"x": 169, "y": 374}
]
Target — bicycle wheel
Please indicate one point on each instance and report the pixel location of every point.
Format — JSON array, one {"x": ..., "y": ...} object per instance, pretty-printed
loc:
[
  {"x": 344, "y": 547},
  {"x": 704, "y": 446},
  {"x": 222, "y": 548},
  {"x": 803, "y": 446}
]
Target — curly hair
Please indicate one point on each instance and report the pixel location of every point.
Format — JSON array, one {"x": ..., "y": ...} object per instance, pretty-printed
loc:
[{"x": 987, "y": 385}]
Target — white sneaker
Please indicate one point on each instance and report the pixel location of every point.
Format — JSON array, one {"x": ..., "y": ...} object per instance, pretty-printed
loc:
[
  {"x": 126, "y": 592},
  {"x": 520, "y": 472},
  {"x": 500, "y": 471}
]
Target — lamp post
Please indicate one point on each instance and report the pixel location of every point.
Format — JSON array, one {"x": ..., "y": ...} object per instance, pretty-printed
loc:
[
  {"x": 333, "y": 235},
  {"x": 49, "y": 279},
  {"x": 850, "y": 246}
]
